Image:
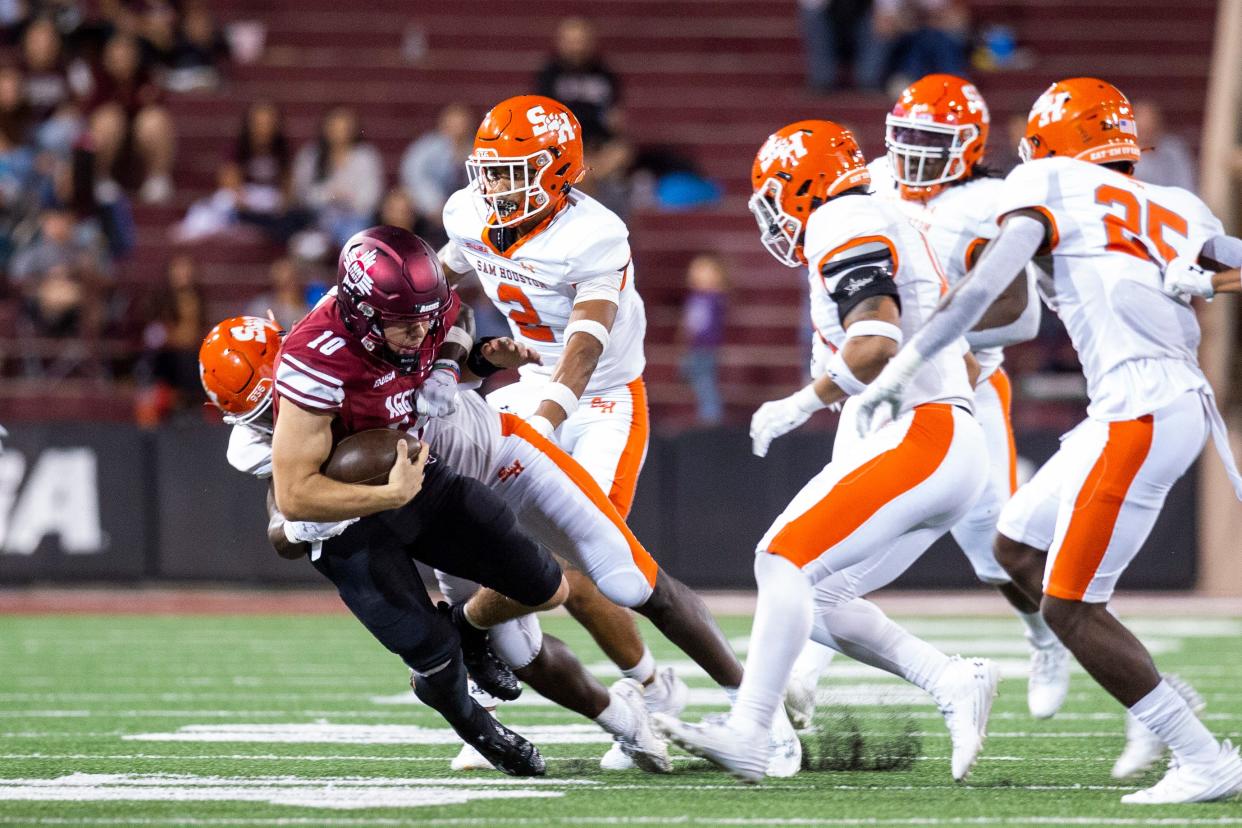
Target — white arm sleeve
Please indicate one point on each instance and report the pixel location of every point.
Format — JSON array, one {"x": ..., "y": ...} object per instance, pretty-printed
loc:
[
  {"x": 1019, "y": 239},
  {"x": 1226, "y": 250},
  {"x": 1022, "y": 329}
]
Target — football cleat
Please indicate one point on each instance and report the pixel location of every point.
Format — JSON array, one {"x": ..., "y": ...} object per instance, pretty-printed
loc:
[
  {"x": 1048, "y": 683},
  {"x": 484, "y": 666},
  {"x": 469, "y": 759},
  {"x": 1221, "y": 779},
  {"x": 785, "y": 756},
  {"x": 800, "y": 701},
  {"x": 642, "y": 745},
  {"x": 742, "y": 756},
  {"x": 1144, "y": 748},
  {"x": 505, "y": 750},
  {"x": 965, "y": 693},
  {"x": 666, "y": 693}
]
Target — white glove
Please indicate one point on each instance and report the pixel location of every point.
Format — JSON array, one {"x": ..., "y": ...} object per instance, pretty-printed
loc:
[
  {"x": 781, "y": 417},
  {"x": 4, "y": 432},
  {"x": 541, "y": 424},
  {"x": 303, "y": 531},
  {"x": 887, "y": 390},
  {"x": 1184, "y": 277},
  {"x": 437, "y": 397}
]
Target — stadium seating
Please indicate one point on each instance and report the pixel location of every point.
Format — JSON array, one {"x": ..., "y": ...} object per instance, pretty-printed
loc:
[{"x": 711, "y": 80}]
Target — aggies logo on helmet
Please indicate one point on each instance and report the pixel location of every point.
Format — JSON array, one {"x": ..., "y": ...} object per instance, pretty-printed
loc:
[
  {"x": 358, "y": 264},
  {"x": 781, "y": 148}
]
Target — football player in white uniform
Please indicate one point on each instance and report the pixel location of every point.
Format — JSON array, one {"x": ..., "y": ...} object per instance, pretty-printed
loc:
[
  {"x": 1111, "y": 241},
  {"x": 936, "y": 137},
  {"x": 873, "y": 510},
  {"x": 558, "y": 264}
]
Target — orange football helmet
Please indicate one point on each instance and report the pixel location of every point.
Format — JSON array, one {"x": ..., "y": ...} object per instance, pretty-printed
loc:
[
  {"x": 237, "y": 364},
  {"x": 797, "y": 169},
  {"x": 935, "y": 134},
  {"x": 1084, "y": 118},
  {"x": 532, "y": 146}
]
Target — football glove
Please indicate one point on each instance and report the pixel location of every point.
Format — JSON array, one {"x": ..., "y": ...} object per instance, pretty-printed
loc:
[
  {"x": 304, "y": 531},
  {"x": 437, "y": 396},
  {"x": 1183, "y": 277},
  {"x": 886, "y": 391},
  {"x": 781, "y": 417}
]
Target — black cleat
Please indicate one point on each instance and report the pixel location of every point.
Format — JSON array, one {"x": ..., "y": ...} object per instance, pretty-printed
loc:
[
  {"x": 483, "y": 665},
  {"x": 506, "y": 750}
]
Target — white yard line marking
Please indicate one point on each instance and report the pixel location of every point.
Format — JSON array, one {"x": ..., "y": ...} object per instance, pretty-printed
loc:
[
  {"x": 631, "y": 820},
  {"x": 323, "y": 732}
]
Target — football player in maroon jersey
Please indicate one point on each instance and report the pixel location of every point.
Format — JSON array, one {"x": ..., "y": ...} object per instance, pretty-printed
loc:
[{"x": 354, "y": 364}]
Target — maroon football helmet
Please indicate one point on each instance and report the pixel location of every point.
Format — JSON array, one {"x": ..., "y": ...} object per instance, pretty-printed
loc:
[{"x": 386, "y": 275}]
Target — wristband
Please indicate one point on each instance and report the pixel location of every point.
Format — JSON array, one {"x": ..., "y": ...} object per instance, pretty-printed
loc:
[
  {"x": 590, "y": 327},
  {"x": 460, "y": 337},
  {"x": 541, "y": 424},
  {"x": 843, "y": 376},
  {"x": 447, "y": 365},
  {"x": 479, "y": 364},
  {"x": 562, "y": 395},
  {"x": 808, "y": 400}
]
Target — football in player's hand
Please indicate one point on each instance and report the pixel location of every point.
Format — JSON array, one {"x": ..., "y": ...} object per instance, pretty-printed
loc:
[{"x": 367, "y": 456}]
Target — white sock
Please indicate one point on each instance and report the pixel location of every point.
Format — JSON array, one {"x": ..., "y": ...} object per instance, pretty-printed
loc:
[
  {"x": 1165, "y": 713},
  {"x": 813, "y": 661},
  {"x": 782, "y": 625},
  {"x": 863, "y": 632},
  {"x": 644, "y": 670},
  {"x": 1037, "y": 630},
  {"x": 617, "y": 718}
]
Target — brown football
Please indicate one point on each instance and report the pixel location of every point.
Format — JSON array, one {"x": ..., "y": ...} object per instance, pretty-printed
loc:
[{"x": 367, "y": 456}]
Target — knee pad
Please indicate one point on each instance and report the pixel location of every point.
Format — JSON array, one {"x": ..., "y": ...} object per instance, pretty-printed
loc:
[
  {"x": 518, "y": 642},
  {"x": 625, "y": 587}
]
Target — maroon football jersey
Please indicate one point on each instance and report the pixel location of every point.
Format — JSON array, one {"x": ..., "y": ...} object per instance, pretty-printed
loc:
[{"x": 323, "y": 368}]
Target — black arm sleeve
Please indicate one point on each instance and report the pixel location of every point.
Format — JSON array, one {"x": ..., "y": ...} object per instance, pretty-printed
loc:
[{"x": 861, "y": 277}]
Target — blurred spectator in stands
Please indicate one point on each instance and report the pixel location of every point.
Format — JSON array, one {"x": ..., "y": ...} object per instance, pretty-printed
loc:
[
  {"x": 702, "y": 329},
  {"x": 22, "y": 189},
  {"x": 1166, "y": 158},
  {"x": 398, "y": 210},
  {"x": 914, "y": 38},
  {"x": 577, "y": 76},
  {"x": 433, "y": 166},
  {"x": 286, "y": 296},
  {"x": 133, "y": 133},
  {"x": 340, "y": 178},
  {"x": 50, "y": 91},
  {"x": 837, "y": 34},
  {"x": 16, "y": 114},
  {"x": 252, "y": 185},
  {"x": 198, "y": 51},
  {"x": 61, "y": 276},
  {"x": 167, "y": 371}
]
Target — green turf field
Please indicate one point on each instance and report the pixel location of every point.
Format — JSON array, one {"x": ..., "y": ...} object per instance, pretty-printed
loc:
[{"x": 282, "y": 721}]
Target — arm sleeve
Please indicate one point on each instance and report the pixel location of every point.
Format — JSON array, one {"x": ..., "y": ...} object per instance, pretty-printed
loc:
[
  {"x": 1019, "y": 239},
  {"x": 1225, "y": 250},
  {"x": 1022, "y": 329},
  {"x": 250, "y": 451}
]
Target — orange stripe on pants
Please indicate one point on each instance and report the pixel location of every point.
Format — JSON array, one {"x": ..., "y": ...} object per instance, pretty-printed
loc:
[
  {"x": 625, "y": 479},
  {"x": 1004, "y": 391},
  {"x": 1099, "y": 502},
  {"x": 511, "y": 424},
  {"x": 868, "y": 488}
]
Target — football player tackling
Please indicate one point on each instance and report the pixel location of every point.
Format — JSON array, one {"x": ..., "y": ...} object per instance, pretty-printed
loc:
[{"x": 1109, "y": 242}]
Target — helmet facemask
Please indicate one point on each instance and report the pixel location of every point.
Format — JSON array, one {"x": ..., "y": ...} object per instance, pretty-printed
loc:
[
  {"x": 526, "y": 195},
  {"x": 407, "y": 359},
  {"x": 925, "y": 153},
  {"x": 780, "y": 232}
]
